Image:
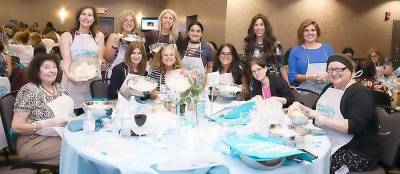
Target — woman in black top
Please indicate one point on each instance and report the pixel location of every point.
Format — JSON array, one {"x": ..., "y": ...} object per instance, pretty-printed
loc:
[
  {"x": 167, "y": 33},
  {"x": 261, "y": 43},
  {"x": 134, "y": 63},
  {"x": 268, "y": 85},
  {"x": 227, "y": 63},
  {"x": 358, "y": 121}
]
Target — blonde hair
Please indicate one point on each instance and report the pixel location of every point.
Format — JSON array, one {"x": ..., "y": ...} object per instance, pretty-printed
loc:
[
  {"x": 303, "y": 26},
  {"x": 156, "y": 62},
  {"x": 21, "y": 37},
  {"x": 173, "y": 33},
  {"x": 35, "y": 39},
  {"x": 51, "y": 35},
  {"x": 122, "y": 17}
]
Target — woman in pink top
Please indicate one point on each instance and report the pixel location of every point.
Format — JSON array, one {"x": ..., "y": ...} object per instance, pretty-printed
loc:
[{"x": 268, "y": 85}]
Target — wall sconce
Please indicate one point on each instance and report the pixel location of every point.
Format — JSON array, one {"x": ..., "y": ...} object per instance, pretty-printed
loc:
[{"x": 62, "y": 14}]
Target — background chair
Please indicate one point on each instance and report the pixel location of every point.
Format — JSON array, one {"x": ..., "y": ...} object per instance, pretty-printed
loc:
[
  {"x": 306, "y": 97},
  {"x": 7, "y": 113},
  {"x": 99, "y": 88},
  {"x": 389, "y": 141}
]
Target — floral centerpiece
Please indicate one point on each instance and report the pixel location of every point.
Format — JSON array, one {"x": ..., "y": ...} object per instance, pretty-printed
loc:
[{"x": 197, "y": 78}]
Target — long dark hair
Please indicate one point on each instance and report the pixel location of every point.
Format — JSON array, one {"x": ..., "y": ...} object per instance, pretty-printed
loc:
[
  {"x": 93, "y": 27},
  {"x": 234, "y": 67},
  {"x": 268, "y": 40}
]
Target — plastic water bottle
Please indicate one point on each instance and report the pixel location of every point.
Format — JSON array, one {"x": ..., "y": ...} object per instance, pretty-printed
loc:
[
  {"x": 125, "y": 131},
  {"x": 201, "y": 105},
  {"x": 89, "y": 123},
  {"x": 163, "y": 92}
]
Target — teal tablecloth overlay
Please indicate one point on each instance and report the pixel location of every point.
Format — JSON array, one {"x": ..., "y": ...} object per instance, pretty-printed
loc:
[
  {"x": 241, "y": 109},
  {"x": 243, "y": 119},
  {"x": 263, "y": 148}
]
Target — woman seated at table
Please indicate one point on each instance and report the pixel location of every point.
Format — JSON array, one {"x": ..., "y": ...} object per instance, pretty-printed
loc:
[
  {"x": 227, "y": 63},
  {"x": 134, "y": 64},
  {"x": 383, "y": 65},
  {"x": 268, "y": 85},
  {"x": 166, "y": 60},
  {"x": 347, "y": 112},
  {"x": 368, "y": 79},
  {"x": 34, "y": 110}
]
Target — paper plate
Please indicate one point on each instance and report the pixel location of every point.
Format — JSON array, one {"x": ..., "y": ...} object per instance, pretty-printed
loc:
[
  {"x": 85, "y": 68},
  {"x": 176, "y": 81}
]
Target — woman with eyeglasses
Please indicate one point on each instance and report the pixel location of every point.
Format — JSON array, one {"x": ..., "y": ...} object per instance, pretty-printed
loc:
[
  {"x": 261, "y": 43},
  {"x": 268, "y": 85},
  {"x": 346, "y": 111},
  {"x": 227, "y": 63},
  {"x": 307, "y": 61},
  {"x": 114, "y": 52},
  {"x": 196, "y": 54},
  {"x": 383, "y": 65},
  {"x": 166, "y": 60},
  {"x": 167, "y": 31}
]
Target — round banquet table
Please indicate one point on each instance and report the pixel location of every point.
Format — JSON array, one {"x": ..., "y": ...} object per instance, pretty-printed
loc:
[{"x": 105, "y": 152}]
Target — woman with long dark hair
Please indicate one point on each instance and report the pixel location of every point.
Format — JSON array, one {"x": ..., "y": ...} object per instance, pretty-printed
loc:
[
  {"x": 227, "y": 63},
  {"x": 261, "y": 43}
]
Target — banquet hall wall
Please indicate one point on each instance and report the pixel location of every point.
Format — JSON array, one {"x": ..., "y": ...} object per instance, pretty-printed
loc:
[{"x": 357, "y": 23}]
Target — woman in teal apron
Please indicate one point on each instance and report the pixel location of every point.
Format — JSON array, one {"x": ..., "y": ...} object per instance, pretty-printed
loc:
[
  {"x": 346, "y": 111},
  {"x": 82, "y": 41}
]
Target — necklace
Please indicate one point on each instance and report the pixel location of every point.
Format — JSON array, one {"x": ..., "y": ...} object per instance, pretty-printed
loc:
[{"x": 52, "y": 88}]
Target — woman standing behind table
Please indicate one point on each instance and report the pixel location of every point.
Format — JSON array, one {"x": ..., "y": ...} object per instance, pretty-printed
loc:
[
  {"x": 268, "y": 85},
  {"x": 167, "y": 31},
  {"x": 40, "y": 104},
  {"x": 261, "y": 43},
  {"x": 196, "y": 54},
  {"x": 346, "y": 111},
  {"x": 135, "y": 64},
  {"x": 227, "y": 63},
  {"x": 82, "y": 41},
  {"x": 307, "y": 62},
  {"x": 114, "y": 52},
  {"x": 383, "y": 65},
  {"x": 166, "y": 60}
]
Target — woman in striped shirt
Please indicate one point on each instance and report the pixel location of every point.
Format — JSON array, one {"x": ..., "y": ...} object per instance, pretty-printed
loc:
[{"x": 166, "y": 60}]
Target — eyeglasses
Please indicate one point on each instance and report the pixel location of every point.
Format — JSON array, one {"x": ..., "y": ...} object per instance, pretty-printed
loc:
[
  {"x": 256, "y": 70},
  {"x": 338, "y": 70},
  {"x": 226, "y": 54}
]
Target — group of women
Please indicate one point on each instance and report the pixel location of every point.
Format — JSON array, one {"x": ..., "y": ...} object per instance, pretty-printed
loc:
[{"x": 262, "y": 71}]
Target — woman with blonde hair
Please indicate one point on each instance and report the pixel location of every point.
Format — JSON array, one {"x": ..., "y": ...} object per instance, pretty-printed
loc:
[
  {"x": 307, "y": 61},
  {"x": 114, "y": 48},
  {"x": 167, "y": 30},
  {"x": 166, "y": 60}
]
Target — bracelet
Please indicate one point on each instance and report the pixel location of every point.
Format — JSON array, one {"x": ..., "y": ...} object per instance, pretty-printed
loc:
[{"x": 36, "y": 127}]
